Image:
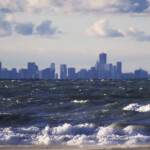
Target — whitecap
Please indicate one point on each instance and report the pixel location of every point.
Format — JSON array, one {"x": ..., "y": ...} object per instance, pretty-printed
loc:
[
  {"x": 32, "y": 128},
  {"x": 137, "y": 107},
  {"x": 79, "y": 135},
  {"x": 6, "y": 134},
  {"x": 80, "y": 101},
  {"x": 5, "y": 113},
  {"x": 43, "y": 137},
  {"x": 82, "y": 140},
  {"x": 61, "y": 130}
]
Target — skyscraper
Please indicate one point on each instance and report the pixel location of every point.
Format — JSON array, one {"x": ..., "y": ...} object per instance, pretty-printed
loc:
[
  {"x": 52, "y": 71},
  {"x": 0, "y": 69},
  {"x": 92, "y": 73},
  {"x": 71, "y": 73},
  {"x": 45, "y": 74},
  {"x": 107, "y": 68},
  {"x": 23, "y": 73},
  {"x": 13, "y": 74},
  {"x": 63, "y": 71},
  {"x": 119, "y": 67},
  {"x": 0, "y": 66},
  {"x": 113, "y": 72},
  {"x": 32, "y": 70},
  {"x": 101, "y": 65},
  {"x": 102, "y": 58},
  {"x": 82, "y": 74},
  {"x": 140, "y": 73}
]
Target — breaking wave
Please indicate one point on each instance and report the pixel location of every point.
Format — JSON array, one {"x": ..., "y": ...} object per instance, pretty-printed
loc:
[
  {"x": 77, "y": 135},
  {"x": 137, "y": 107}
]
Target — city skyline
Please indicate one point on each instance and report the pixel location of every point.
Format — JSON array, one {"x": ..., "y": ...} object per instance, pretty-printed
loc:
[
  {"x": 102, "y": 70},
  {"x": 74, "y": 32},
  {"x": 81, "y": 66}
]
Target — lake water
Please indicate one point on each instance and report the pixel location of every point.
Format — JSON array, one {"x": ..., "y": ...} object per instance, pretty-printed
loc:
[{"x": 75, "y": 112}]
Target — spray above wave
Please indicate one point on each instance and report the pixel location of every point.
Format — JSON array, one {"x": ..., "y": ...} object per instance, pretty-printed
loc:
[
  {"x": 137, "y": 107},
  {"x": 79, "y": 135}
]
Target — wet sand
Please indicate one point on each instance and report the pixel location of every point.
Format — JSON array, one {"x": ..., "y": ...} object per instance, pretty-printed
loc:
[{"x": 70, "y": 148}]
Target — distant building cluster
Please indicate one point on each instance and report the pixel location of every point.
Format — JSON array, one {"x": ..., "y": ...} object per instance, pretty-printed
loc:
[{"x": 102, "y": 70}]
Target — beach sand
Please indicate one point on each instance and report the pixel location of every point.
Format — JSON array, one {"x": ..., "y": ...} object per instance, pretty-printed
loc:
[{"x": 70, "y": 148}]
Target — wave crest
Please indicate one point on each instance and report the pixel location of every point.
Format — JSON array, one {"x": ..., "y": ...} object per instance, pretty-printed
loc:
[{"x": 137, "y": 107}]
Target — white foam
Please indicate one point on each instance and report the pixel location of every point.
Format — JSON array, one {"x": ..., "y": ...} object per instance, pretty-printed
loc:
[
  {"x": 80, "y": 101},
  {"x": 5, "y": 113},
  {"x": 137, "y": 107},
  {"x": 80, "y": 140},
  {"x": 145, "y": 108},
  {"x": 6, "y": 134},
  {"x": 67, "y": 129},
  {"x": 61, "y": 130},
  {"x": 128, "y": 130},
  {"x": 137, "y": 139},
  {"x": 104, "y": 131},
  {"x": 80, "y": 135},
  {"x": 43, "y": 137},
  {"x": 32, "y": 128}
]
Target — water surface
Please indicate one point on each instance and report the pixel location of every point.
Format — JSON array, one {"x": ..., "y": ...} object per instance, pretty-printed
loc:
[{"x": 75, "y": 112}]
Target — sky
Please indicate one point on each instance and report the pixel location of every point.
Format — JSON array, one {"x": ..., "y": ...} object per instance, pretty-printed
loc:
[{"x": 75, "y": 32}]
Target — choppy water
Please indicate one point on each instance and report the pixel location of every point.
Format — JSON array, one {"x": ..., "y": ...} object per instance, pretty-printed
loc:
[{"x": 75, "y": 112}]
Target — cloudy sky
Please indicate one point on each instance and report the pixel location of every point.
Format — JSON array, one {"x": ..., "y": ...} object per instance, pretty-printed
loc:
[{"x": 74, "y": 32}]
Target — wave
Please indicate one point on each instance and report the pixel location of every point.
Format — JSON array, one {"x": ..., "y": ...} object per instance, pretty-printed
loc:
[
  {"x": 80, "y": 101},
  {"x": 137, "y": 107},
  {"x": 76, "y": 135}
]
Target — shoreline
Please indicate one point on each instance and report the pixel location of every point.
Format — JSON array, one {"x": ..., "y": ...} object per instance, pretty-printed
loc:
[{"x": 26, "y": 147}]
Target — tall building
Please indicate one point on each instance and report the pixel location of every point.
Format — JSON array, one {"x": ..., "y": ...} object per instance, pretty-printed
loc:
[
  {"x": 107, "y": 69},
  {"x": 119, "y": 70},
  {"x": 71, "y": 73},
  {"x": 0, "y": 66},
  {"x": 5, "y": 74},
  {"x": 14, "y": 74},
  {"x": 102, "y": 58},
  {"x": 92, "y": 73},
  {"x": 82, "y": 74},
  {"x": 63, "y": 71},
  {"x": 119, "y": 67},
  {"x": 23, "y": 73},
  {"x": 52, "y": 71},
  {"x": 100, "y": 65},
  {"x": 32, "y": 70},
  {"x": 0, "y": 69},
  {"x": 113, "y": 72},
  {"x": 45, "y": 74},
  {"x": 56, "y": 76},
  {"x": 140, "y": 74}
]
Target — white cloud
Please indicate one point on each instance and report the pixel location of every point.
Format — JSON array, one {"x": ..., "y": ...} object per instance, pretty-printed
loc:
[
  {"x": 24, "y": 28},
  {"x": 12, "y": 5},
  {"x": 33, "y": 5},
  {"x": 100, "y": 5},
  {"x": 103, "y": 29},
  {"x": 5, "y": 29},
  {"x": 77, "y": 6},
  {"x": 9, "y": 18},
  {"x": 8, "y": 24},
  {"x": 6, "y": 21},
  {"x": 46, "y": 29},
  {"x": 137, "y": 34}
]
